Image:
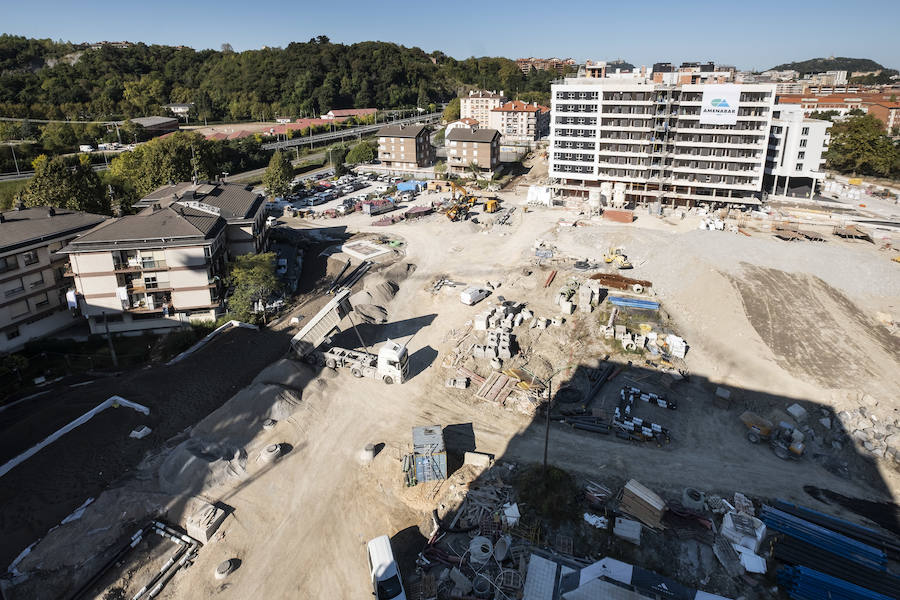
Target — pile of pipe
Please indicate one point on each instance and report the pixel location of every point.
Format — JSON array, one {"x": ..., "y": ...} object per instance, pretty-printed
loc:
[{"x": 802, "y": 583}]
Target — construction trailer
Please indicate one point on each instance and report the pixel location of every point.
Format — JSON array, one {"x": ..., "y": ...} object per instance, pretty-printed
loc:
[
  {"x": 313, "y": 345},
  {"x": 429, "y": 453}
]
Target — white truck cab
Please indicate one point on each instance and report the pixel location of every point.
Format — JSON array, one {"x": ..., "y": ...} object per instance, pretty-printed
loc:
[{"x": 393, "y": 362}]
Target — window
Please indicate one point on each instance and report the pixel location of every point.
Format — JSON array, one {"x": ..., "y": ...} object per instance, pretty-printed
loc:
[
  {"x": 13, "y": 334},
  {"x": 30, "y": 258},
  {"x": 799, "y": 166},
  {"x": 803, "y": 143},
  {"x": 40, "y": 301},
  {"x": 35, "y": 280},
  {"x": 801, "y": 155},
  {"x": 7, "y": 263},
  {"x": 804, "y": 131},
  {"x": 19, "y": 287}
]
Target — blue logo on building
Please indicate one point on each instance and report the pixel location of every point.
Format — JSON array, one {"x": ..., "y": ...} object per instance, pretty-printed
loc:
[{"x": 719, "y": 103}]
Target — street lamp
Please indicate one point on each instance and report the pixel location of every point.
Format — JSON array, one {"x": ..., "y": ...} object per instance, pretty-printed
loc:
[{"x": 548, "y": 383}]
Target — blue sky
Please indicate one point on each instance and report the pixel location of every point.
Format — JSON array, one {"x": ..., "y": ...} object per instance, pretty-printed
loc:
[{"x": 754, "y": 34}]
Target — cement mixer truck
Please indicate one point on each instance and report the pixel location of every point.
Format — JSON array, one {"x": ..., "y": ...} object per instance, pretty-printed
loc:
[{"x": 313, "y": 345}]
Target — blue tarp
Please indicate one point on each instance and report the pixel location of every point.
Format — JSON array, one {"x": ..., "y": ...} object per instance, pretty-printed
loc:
[{"x": 410, "y": 186}]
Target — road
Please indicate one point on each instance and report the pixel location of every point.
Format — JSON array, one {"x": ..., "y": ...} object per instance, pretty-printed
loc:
[
  {"x": 352, "y": 132},
  {"x": 253, "y": 173}
]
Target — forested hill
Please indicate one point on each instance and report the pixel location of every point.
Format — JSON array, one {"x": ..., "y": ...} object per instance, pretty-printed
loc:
[
  {"x": 839, "y": 63},
  {"x": 46, "y": 79}
]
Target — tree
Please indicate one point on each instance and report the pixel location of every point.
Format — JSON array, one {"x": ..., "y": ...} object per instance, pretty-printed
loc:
[
  {"x": 58, "y": 137},
  {"x": 254, "y": 280},
  {"x": 278, "y": 175},
  {"x": 451, "y": 113},
  {"x": 336, "y": 156},
  {"x": 55, "y": 184},
  {"x": 362, "y": 152},
  {"x": 226, "y": 48},
  {"x": 439, "y": 137},
  {"x": 440, "y": 169},
  {"x": 860, "y": 146}
]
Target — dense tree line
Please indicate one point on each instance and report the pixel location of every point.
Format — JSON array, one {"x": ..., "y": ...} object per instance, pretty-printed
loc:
[
  {"x": 860, "y": 146},
  {"x": 45, "y": 79}
]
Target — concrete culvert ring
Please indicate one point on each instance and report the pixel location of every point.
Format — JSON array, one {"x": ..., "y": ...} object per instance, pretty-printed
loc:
[
  {"x": 356, "y": 372},
  {"x": 389, "y": 380},
  {"x": 693, "y": 499},
  {"x": 225, "y": 568},
  {"x": 269, "y": 423},
  {"x": 330, "y": 363},
  {"x": 481, "y": 586},
  {"x": 637, "y": 288},
  {"x": 271, "y": 452},
  {"x": 480, "y": 550}
]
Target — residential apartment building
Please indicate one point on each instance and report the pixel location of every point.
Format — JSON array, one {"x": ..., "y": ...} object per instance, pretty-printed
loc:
[
  {"x": 840, "y": 103},
  {"x": 467, "y": 147},
  {"x": 519, "y": 121},
  {"x": 478, "y": 105},
  {"x": 152, "y": 271},
  {"x": 461, "y": 123},
  {"x": 648, "y": 141},
  {"x": 405, "y": 146},
  {"x": 241, "y": 207},
  {"x": 796, "y": 148},
  {"x": 691, "y": 73},
  {"x": 544, "y": 64},
  {"x": 886, "y": 112},
  {"x": 33, "y": 281}
]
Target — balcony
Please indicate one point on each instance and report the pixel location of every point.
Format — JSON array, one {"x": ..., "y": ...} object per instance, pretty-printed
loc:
[{"x": 135, "y": 266}]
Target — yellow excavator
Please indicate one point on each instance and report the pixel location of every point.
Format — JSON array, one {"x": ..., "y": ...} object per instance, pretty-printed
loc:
[
  {"x": 491, "y": 205},
  {"x": 616, "y": 257},
  {"x": 460, "y": 205}
]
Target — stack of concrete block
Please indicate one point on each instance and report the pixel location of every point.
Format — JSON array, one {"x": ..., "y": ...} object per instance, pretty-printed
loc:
[
  {"x": 566, "y": 307},
  {"x": 499, "y": 344},
  {"x": 621, "y": 332}
]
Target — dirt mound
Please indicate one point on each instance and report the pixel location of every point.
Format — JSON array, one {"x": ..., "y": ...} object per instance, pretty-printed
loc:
[
  {"x": 382, "y": 291},
  {"x": 399, "y": 272},
  {"x": 371, "y": 313}
]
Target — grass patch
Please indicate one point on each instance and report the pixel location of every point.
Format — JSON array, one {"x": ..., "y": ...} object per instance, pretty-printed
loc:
[
  {"x": 552, "y": 493},
  {"x": 8, "y": 191}
]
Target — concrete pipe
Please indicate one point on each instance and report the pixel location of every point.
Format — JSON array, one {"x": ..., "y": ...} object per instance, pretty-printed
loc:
[
  {"x": 629, "y": 346},
  {"x": 693, "y": 499},
  {"x": 269, "y": 423},
  {"x": 270, "y": 453},
  {"x": 225, "y": 568},
  {"x": 637, "y": 288},
  {"x": 367, "y": 454},
  {"x": 482, "y": 586},
  {"x": 480, "y": 550},
  {"x": 501, "y": 548}
]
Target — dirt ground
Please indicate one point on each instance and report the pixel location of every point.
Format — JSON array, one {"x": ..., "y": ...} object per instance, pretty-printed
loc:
[{"x": 774, "y": 323}]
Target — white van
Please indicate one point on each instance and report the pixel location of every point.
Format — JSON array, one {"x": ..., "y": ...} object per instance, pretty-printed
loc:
[
  {"x": 383, "y": 570},
  {"x": 473, "y": 295}
]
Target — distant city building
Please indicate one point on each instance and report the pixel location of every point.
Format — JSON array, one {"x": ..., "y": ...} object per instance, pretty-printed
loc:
[
  {"x": 644, "y": 142},
  {"x": 886, "y": 112},
  {"x": 283, "y": 120},
  {"x": 179, "y": 109},
  {"x": 33, "y": 278},
  {"x": 119, "y": 45},
  {"x": 405, "y": 146},
  {"x": 519, "y": 121},
  {"x": 346, "y": 113},
  {"x": 796, "y": 148},
  {"x": 840, "y": 103},
  {"x": 691, "y": 73},
  {"x": 478, "y": 105},
  {"x": 608, "y": 70},
  {"x": 473, "y": 147},
  {"x": 544, "y": 64}
]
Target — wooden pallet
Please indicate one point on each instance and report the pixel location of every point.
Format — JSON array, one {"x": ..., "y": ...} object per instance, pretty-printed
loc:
[{"x": 496, "y": 388}]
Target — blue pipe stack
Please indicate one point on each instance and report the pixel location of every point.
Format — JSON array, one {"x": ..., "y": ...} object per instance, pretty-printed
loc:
[
  {"x": 836, "y": 560},
  {"x": 805, "y": 584},
  {"x": 633, "y": 303}
]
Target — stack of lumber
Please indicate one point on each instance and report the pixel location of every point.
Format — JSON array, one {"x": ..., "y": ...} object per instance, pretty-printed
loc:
[{"x": 642, "y": 504}]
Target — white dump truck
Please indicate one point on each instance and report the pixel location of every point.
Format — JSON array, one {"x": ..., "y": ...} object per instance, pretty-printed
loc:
[{"x": 313, "y": 344}]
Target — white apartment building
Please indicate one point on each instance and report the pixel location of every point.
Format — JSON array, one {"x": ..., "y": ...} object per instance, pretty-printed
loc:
[
  {"x": 519, "y": 121},
  {"x": 152, "y": 271},
  {"x": 478, "y": 105},
  {"x": 680, "y": 144},
  {"x": 33, "y": 278},
  {"x": 796, "y": 146}
]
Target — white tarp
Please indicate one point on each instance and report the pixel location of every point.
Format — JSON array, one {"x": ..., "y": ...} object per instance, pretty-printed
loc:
[{"x": 720, "y": 104}]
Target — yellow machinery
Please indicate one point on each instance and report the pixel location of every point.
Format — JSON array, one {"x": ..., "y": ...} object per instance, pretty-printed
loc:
[
  {"x": 491, "y": 205},
  {"x": 460, "y": 205},
  {"x": 616, "y": 257},
  {"x": 786, "y": 442}
]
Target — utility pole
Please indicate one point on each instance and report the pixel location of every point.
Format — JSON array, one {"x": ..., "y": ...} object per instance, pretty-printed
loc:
[
  {"x": 15, "y": 162},
  {"x": 115, "y": 360}
]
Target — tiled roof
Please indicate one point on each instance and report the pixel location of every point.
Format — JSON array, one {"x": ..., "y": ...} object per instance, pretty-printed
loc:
[
  {"x": 352, "y": 112},
  {"x": 401, "y": 131},
  {"x": 159, "y": 228},
  {"x": 235, "y": 201},
  {"x": 31, "y": 225},
  {"x": 464, "y": 134},
  {"x": 519, "y": 106}
]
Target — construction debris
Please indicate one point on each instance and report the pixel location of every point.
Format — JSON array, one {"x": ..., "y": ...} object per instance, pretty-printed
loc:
[{"x": 640, "y": 502}]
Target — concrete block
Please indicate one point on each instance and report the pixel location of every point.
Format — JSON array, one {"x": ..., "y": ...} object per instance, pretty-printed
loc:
[
  {"x": 204, "y": 521},
  {"x": 585, "y": 307},
  {"x": 527, "y": 315},
  {"x": 481, "y": 322},
  {"x": 518, "y": 320},
  {"x": 478, "y": 459},
  {"x": 490, "y": 352},
  {"x": 628, "y": 530},
  {"x": 557, "y": 322},
  {"x": 566, "y": 308},
  {"x": 798, "y": 412},
  {"x": 504, "y": 352},
  {"x": 640, "y": 341},
  {"x": 478, "y": 351},
  {"x": 609, "y": 333},
  {"x": 620, "y": 331},
  {"x": 496, "y": 364}
]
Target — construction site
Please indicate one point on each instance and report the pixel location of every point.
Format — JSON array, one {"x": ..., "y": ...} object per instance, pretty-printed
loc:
[{"x": 531, "y": 400}]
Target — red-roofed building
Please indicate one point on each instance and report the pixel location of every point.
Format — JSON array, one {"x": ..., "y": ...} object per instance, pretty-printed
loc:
[
  {"x": 519, "y": 121},
  {"x": 242, "y": 133},
  {"x": 346, "y": 113},
  {"x": 886, "y": 112},
  {"x": 217, "y": 136}
]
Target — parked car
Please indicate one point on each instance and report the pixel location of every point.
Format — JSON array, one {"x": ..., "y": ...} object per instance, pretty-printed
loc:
[
  {"x": 383, "y": 570},
  {"x": 271, "y": 221},
  {"x": 473, "y": 295}
]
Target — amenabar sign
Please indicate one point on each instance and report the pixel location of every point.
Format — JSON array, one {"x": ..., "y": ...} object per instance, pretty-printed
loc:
[{"x": 720, "y": 104}]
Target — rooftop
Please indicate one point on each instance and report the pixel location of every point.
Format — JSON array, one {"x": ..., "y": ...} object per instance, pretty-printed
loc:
[
  {"x": 349, "y": 112},
  {"x": 234, "y": 201},
  {"x": 464, "y": 134},
  {"x": 151, "y": 122},
  {"x": 27, "y": 226},
  {"x": 159, "y": 228},
  {"x": 402, "y": 131},
  {"x": 519, "y": 106}
]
